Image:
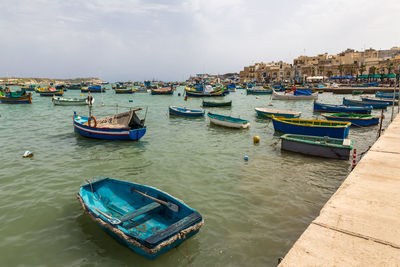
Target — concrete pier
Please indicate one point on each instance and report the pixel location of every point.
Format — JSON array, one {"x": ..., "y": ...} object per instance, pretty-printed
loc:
[{"x": 360, "y": 224}]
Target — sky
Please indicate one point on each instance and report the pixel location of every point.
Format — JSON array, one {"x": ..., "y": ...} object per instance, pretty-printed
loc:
[{"x": 121, "y": 40}]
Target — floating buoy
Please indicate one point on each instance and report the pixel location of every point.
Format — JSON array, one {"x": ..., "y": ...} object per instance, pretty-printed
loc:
[
  {"x": 257, "y": 97},
  {"x": 179, "y": 94},
  {"x": 27, "y": 154},
  {"x": 246, "y": 158},
  {"x": 130, "y": 100},
  {"x": 256, "y": 139}
]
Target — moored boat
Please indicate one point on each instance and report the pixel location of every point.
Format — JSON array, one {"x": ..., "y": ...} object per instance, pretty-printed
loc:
[
  {"x": 63, "y": 101},
  {"x": 334, "y": 129},
  {"x": 19, "y": 97},
  {"x": 122, "y": 126},
  {"x": 258, "y": 90},
  {"x": 228, "y": 121},
  {"x": 355, "y": 119},
  {"x": 380, "y": 100},
  {"x": 204, "y": 91},
  {"x": 352, "y": 102},
  {"x": 50, "y": 91},
  {"x": 173, "y": 110},
  {"x": 317, "y": 146},
  {"x": 147, "y": 220},
  {"x": 294, "y": 95},
  {"x": 387, "y": 95},
  {"x": 206, "y": 103},
  {"x": 124, "y": 90},
  {"x": 319, "y": 107},
  {"x": 93, "y": 89},
  {"x": 162, "y": 91},
  {"x": 269, "y": 112}
]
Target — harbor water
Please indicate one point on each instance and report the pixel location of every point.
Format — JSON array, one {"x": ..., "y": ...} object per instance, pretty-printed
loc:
[{"x": 254, "y": 210}]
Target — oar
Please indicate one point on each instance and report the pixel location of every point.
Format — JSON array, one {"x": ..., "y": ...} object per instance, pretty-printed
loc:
[{"x": 170, "y": 205}]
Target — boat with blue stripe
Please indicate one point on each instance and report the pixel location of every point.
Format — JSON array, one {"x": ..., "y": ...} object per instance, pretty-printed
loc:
[
  {"x": 362, "y": 120},
  {"x": 269, "y": 112},
  {"x": 319, "y": 107},
  {"x": 228, "y": 121},
  {"x": 387, "y": 95},
  {"x": 19, "y": 97},
  {"x": 173, "y": 110},
  {"x": 353, "y": 102},
  {"x": 334, "y": 129},
  {"x": 380, "y": 100},
  {"x": 122, "y": 126},
  {"x": 147, "y": 220}
]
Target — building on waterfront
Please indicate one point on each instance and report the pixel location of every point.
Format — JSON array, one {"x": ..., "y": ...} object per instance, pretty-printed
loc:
[{"x": 348, "y": 62}]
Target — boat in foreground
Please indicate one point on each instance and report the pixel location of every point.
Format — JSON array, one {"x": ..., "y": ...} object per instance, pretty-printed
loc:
[
  {"x": 173, "y": 110},
  {"x": 317, "y": 146},
  {"x": 122, "y": 126},
  {"x": 228, "y": 121},
  {"x": 319, "y": 107},
  {"x": 353, "y": 102},
  {"x": 355, "y": 119},
  {"x": 63, "y": 101},
  {"x": 19, "y": 97},
  {"x": 294, "y": 95},
  {"x": 334, "y": 129},
  {"x": 269, "y": 112},
  {"x": 147, "y": 220},
  {"x": 216, "y": 103}
]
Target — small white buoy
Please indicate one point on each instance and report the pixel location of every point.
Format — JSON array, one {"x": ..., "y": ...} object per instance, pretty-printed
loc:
[
  {"x": 27, "y": 154},
  {"x": 246, "y": 158},
  {"x": 257, "y": 97}
]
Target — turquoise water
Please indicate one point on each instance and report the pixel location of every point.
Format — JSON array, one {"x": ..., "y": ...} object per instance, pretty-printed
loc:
[{"x": 254, "y": 211}]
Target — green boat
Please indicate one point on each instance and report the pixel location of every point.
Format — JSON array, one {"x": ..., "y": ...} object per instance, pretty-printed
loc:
[
  {"x": 216, "y": 103},
  {"x": 357, "y": 92},
  {"x": 319, "y": 146}
]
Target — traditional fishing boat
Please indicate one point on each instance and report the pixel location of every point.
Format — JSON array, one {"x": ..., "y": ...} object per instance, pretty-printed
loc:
[
  {"x": 228, "y": 121},
  {"x": 294, "y": 95},
  {"x": 269, "y": 112},
  {"x": 380, "y": 100},
  {"x": 206, "y": 103},
  {"x": 93, "y": 89},
  {"x": 19, "y": 97},
  {"x": 50, "y": 91},
  {"x": 147, "y": 220},
  {"x": 334, "y": 129},
  {"x": 319, "y": 107},
  {"x": 258, "y": 90},
  {"x": 128, "y": 90},
  {"x": 387, "y": 95},
  {"x": 122, "y": 126},
  {"x": 355, "y": 119},
  {"x": 173, "y": 110},
  {"x": 352, "y": 102},
  {"x": 204, "y": 91},
  {"x": 162, "y": 91},
  {"x": 63, "y": 101},
  {"x": 317, "y": 146}
]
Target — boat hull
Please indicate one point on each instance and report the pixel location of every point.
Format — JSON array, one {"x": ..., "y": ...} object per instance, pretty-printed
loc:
[
  {"x": 251, "y": 91},
  {"x": 27, "y": 99},
  {"x": 55, "y": 93},
  {"x": 355, "y": 121},
  {"x": 318, "y": 107},
  {"x": 350, "y": 102},
  {"x": 294, "y": 128},
  {"x": 185, "y": 112},
  {"x": 108, "y": 133},
  {"x": 150, "y": 233},
  {"x": 269, "y": 114},
  {"x": 291, "y": 96},
  {"x": 216, "y": 104},
  {"x": 63, "y": 102},
  {"x": 222, "y": 121},
  {"x": 316, "y": 150}
]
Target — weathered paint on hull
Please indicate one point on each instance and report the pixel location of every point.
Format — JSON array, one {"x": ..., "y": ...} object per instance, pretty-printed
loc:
[{"x": 316, "y": 150}]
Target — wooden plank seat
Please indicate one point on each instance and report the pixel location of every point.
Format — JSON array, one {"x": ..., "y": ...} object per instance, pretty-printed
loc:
[{"x": 133, "y": 214}]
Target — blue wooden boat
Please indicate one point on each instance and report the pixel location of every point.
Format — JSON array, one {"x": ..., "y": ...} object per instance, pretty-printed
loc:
[
  {"x": 122, "y": 126},
  {"x": 228, "y": 121},
  {"x": 269, "y": 112},
  {"x": 334, "y": 129},
  {"x": 202, "y": 92},
  {"x": 352, "y": 102},
  {"x": 380, "y": 100},
  {"x": 19, "y": 97},
  {"x": 173, "y": 110},
  {"x": 93, "y": 89},
  {"x": 258, "y": 90},
  {"x": 317, "y": 146},
  {"x": 319, "y": 107},
  {"x": 386, "y": 95},
  {"x": 147, "y": 220},
  {"x": 216, "y": 103},
  {"x": 362, "y": 120}
]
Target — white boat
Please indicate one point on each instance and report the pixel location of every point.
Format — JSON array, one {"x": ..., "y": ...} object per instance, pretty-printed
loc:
[
  {"x": 228, "y": 121},
  {"x": 269, "y": 112},
  {"x": 292, "y": 96},
  {"x": 63, "y": 101}
]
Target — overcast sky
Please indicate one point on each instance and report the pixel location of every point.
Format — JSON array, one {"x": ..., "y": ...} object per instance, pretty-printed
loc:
[{"x": 172, "y": 39}]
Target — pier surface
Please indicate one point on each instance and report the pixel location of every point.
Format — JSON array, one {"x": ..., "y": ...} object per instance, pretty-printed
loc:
[{"x": 360, "y": 224}]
